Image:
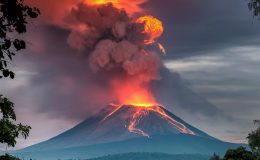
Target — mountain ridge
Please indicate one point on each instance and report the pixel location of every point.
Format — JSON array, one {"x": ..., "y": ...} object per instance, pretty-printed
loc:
[
  {"x": 92, "y": 131},
  {"x": 102, "y": 135}
]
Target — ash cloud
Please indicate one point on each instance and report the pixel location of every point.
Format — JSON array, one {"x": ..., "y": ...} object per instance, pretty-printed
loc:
[
  {"x": 79, "y": 58},
  {"x": 112, "y": 40}
]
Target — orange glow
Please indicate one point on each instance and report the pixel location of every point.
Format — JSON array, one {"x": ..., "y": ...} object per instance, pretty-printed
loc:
[
  {"x": 100, "y": 2},
  {"x": 131, "y": 92},
  {"x": 134, "y": 121},
  {"x": 137, "y": 96},
  {"x": 153, "y": 27}
]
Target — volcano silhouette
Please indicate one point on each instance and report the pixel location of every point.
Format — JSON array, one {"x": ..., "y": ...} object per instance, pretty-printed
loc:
[{"x": 108, "y": 133}]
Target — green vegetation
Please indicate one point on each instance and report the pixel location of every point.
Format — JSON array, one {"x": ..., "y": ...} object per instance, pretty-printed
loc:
[
  {"x": 8, "y": 157},
  {"x": 9, "y": 129},
  {"x": 241, "y": 153},
  {"x": 254, "y": 6},
  {"x": 13, "y": 21},
  {"x": 152, "y": 156},
  {"x": 254, "y": 139},
  {"x": 215, "y": 157}
]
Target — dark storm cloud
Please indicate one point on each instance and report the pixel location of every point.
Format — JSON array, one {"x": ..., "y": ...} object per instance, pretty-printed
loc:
[
  {"x": 230, "y": 80},
  {"x": 202, "y": 26}
]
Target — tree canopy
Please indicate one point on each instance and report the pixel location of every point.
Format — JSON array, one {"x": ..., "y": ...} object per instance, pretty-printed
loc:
[
  {"x": 239, "y": 154},
  {"x": 14, "y": 16},
  {"x": 242, "y": 153},
  {"x": 254, "y": 6},
  {"x": 215, "y": 157},
  {"x": 254, "y": 139},
  {"x": 9, "y": 129}
]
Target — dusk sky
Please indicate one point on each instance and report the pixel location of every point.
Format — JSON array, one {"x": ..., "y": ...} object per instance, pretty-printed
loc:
[{"x": 213, "y": 45}]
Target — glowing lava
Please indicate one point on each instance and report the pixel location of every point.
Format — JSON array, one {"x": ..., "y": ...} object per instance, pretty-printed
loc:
[
  {"x": 101, "y": 2},
  {"x": 141, "y": 111},
  {"x": 161, "y": 47},
  {"x": 133, "y": 92},
  {"x": 140, "y": 97}
]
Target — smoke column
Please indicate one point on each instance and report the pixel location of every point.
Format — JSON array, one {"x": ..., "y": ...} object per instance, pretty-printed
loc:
[
  {"x": 114, "y": 37},
  {"x": 115, "y": 41}
]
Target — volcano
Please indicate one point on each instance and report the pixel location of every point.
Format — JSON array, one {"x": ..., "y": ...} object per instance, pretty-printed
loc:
[{"x": 128, "y": 128}]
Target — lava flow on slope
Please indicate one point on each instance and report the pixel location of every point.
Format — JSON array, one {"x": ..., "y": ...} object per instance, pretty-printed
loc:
[
  {"x": 123, "y": 35},
  {"x": 140, "y": 112},
  {"x": 140, "y": 104}
]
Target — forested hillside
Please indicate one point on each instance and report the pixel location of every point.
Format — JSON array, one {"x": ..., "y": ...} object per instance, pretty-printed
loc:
[{"x": 152, "y": 156}]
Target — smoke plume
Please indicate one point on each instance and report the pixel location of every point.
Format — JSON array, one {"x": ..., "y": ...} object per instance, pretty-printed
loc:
[
  {"x": 115, "y": 41},
  {"x": 111, "y": 59}
]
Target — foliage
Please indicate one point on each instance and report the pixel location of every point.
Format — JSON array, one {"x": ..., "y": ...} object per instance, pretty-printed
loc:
[
  {"x": 215, "y": 157},
  {"x": 13, "y": 20},
  {"x": 152, "y": 156},
  {"x": 10, "y": 131},
  {"x": 254, "y": 6},
  {"x": 8, "y": 157},
  {"x": 254, "y": 139},
  {"x": 239, "y": 154}
]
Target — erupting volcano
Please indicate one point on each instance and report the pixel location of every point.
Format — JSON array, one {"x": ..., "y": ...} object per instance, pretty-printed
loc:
[
  {"x": 122, "y": 34},
  {"x": 141, "y": 103},
  {"x": 117, "y": 42},
  {"x": 118, "y": 123}
]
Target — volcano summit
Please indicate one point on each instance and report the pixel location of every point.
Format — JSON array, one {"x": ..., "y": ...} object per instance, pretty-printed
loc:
[
  {"x": 128, "y": 128},
  {"x": 137, "y": 120}
]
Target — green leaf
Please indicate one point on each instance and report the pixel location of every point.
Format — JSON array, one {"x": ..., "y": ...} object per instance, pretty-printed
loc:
[
  {"x": 5, "y": 73},
  {"x": 12, "y": 75},
  {"x": 19, "y": 44}
]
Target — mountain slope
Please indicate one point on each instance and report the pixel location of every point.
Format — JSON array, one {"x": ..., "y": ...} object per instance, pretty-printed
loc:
[
  {"x": 108, "y": 133},
  {"x": 170, "y": 144},
  {"x": 172, "y": 91},
  {"x": 97, "y": 129}
]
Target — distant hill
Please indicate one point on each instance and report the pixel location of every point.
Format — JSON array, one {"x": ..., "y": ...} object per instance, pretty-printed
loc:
[
  {"x": 96, "y": 130},
  {"x": 153, "y": 156}
]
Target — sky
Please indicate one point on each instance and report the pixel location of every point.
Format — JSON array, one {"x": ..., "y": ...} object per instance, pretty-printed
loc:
[{"x": 212, "y": 45}]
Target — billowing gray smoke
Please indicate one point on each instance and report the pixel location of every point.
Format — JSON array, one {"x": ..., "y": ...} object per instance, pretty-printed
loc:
[{"x": 112, "y": 40}]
